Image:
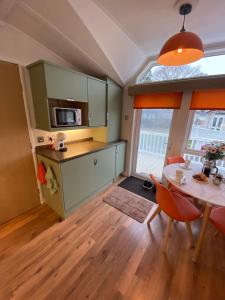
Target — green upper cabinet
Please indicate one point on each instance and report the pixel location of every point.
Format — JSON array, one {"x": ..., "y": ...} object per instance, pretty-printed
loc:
[
  {"x": 96, "y": 102},
  {"x": 65, "y": 84},
  {"x": 114, "y": 110},
  {"x": 52, "y": 82}
]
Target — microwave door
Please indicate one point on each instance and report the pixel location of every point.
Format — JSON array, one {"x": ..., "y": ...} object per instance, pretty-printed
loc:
[
  {"x": 71, "y": 117},
  {"x": 65, "y": 117}
]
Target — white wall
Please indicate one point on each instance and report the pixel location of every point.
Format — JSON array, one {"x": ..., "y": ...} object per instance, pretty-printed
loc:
[
  {"x": 127, "y": 130},
  {"x": 17, "y": 47}
]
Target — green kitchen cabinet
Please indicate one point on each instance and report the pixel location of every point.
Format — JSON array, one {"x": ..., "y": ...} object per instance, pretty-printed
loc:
[
  {"x": 65, "y": 84},
  {"x": 78, "y": 179},
  {"x": 52, "y": 82},
  {"x": 114, "y": 111},
  {"x": 84, "y": 176},
  {"x": 97, "y": 102},
  {"x": 120, "y": 158},
  {"x": 55, "y": 201}
]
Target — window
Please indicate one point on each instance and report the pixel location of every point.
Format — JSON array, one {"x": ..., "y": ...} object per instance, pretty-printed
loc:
[
  {"x": 207, "y": 66},
  {"x": 207, "y": 127},
  {"x": 217, "y": 123}
]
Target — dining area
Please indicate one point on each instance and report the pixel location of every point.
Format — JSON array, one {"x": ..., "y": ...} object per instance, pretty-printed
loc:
[{"x": 192, "y": 192}]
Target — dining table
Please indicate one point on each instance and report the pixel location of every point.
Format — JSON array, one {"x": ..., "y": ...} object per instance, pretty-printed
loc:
[{"x": 207, "y": 193}]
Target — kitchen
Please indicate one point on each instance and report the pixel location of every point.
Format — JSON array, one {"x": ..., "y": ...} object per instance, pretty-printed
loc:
[{"x": 97, "y": 151}]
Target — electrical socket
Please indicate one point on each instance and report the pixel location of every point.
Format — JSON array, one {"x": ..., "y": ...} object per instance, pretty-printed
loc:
[{"x": 40, "y": 139}]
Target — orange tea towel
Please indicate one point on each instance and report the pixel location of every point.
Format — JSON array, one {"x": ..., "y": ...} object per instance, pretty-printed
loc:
[{"x": 41, "y": 173}]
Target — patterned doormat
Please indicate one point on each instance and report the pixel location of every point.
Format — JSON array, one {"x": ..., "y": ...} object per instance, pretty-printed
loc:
[{"x": 131, "y": 204}]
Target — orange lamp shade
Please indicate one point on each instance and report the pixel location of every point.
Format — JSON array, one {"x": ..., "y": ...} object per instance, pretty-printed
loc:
[{"x": 182, "y": 48}]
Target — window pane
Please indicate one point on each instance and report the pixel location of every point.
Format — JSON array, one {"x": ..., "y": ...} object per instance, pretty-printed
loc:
[
  {"x": 202, "y": 132},
  {"x": 207, "y": 66}
]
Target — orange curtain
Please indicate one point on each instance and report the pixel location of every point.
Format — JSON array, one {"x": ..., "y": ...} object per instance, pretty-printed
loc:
[
  {"x": 208, "y": 100},
  {"x": 162, "y": 100}
]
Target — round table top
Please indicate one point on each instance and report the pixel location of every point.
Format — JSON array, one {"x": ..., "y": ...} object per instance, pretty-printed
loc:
[{"x": 207, "y": 192}]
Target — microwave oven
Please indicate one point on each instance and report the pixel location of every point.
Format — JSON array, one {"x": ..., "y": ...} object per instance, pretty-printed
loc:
[{"x": 61, "y": 117}]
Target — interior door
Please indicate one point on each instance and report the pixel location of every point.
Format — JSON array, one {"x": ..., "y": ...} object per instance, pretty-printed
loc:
[
  {"x": 18, "y": 186},
  {"x": 152, "y": 140}
]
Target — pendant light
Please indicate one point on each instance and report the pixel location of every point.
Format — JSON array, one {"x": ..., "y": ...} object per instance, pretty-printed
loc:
[{"x": 182, "y": 48}]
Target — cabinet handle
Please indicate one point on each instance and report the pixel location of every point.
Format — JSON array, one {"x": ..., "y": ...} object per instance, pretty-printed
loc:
[
  {"x": 95, "y": 162},
  {"x": 89, "y": 116},
  {"x": 107, "y": 117},
  {"x": 70, "y": 99}
]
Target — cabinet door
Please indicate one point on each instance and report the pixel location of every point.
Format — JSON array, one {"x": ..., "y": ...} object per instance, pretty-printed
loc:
[
  {"x": 104, "y": 167},
  {"x": 84, "y": 176},
  {"x": 65, "y": 84},
  {"x": 120, "y": 159},
  {"x": 96, "y": 102},
  {"x": 114, "y": 105}
]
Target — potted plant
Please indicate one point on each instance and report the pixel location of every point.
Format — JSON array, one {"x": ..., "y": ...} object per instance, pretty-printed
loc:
[{"x": 212, "y": 152}]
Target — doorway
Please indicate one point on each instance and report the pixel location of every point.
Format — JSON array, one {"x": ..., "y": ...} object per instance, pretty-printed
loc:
[
  {"x": 18, "y": 185},
  {"x": 152, "y": 135}
]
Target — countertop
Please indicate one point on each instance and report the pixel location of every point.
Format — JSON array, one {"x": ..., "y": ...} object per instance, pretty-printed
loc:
[{"x": 75, "y": 150}]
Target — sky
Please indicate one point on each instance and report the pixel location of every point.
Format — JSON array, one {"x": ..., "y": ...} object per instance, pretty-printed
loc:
[{"x": 212, "y": 65}]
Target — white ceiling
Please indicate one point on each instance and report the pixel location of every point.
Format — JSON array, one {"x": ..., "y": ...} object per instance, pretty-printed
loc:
[
  {"x": 112, "y": 37},
  {"x": 150, "y": 22}
]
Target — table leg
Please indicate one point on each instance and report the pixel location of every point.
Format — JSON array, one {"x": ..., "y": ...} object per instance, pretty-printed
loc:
[{"x": 202, "y": 231}]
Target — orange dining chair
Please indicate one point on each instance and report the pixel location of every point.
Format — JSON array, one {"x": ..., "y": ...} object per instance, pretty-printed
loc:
[
  {"x": 158, "y": 209},
  {"x": 175, "y": 160},
  {"x": 217, "y": 218},
  {"x": 177, "y": 207}
]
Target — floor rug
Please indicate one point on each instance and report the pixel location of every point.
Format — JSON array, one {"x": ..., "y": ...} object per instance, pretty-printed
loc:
[
  {"x": 131, "y": 204},
  {"x": 134, "y": 185}
]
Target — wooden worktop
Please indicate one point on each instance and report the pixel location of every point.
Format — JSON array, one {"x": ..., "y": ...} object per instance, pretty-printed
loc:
[{"x": 75, "y": 149}]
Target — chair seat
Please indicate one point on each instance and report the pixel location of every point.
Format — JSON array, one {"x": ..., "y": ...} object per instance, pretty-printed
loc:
[
  {"x": 217, "y": 218},
  {"x": 186, "y": 211}
]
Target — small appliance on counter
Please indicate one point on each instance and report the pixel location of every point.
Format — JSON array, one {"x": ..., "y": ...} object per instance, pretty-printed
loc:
[
  {"x": 65, "y": 117},
  {"x": 59, "y": 142}
]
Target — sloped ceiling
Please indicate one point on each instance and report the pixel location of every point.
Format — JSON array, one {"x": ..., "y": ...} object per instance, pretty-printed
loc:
[{"x": 111, "y": 37}]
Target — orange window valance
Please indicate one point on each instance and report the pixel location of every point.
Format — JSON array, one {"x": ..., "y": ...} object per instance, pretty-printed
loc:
[
  {"x": 161, "y": 100},
  {"x": 208, "y": 100}
]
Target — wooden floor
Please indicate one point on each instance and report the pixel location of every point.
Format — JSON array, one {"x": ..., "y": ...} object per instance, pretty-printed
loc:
[{"x": 100, "y": 253}]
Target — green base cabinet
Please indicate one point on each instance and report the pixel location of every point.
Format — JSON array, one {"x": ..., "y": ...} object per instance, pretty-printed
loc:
[
  {"x": 55, "y": 201},
  {"x": 82, "y": 177},
  {"x": 120, "y": 159},
  {"x": 79, "y": 179}
]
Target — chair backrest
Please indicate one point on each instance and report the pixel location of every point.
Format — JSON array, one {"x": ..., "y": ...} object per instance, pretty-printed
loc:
[
  {"x": 165, "y": 200},
  {"x": 175, "y": 160}
]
